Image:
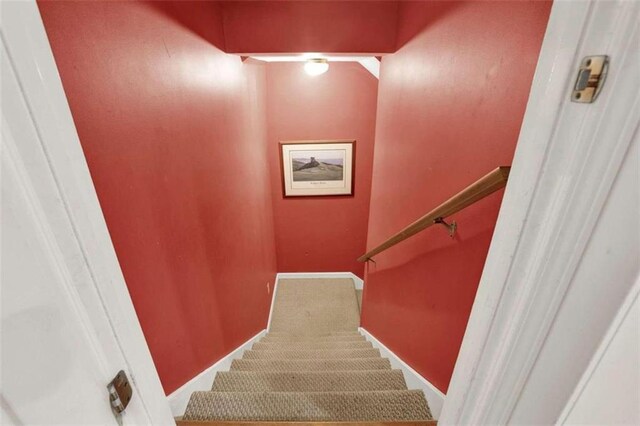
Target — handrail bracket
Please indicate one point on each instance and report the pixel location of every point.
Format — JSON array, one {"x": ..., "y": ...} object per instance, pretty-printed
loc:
[{"x": 451, "y": 227}]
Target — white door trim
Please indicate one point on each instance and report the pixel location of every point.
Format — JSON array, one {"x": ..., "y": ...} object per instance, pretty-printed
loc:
[
  {"x": 86, "y": 248},
  {"x": 624, "y": 315},
  {"x": 567, "y": 157}
]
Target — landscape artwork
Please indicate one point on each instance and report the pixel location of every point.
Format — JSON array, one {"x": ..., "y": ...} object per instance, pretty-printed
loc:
[
  {"x": 316, "y": 168},
  {"x": 318, "y": 165}
]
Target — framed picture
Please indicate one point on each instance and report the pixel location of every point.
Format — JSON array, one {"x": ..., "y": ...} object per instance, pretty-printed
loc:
[{"x": 316, "y": 168}]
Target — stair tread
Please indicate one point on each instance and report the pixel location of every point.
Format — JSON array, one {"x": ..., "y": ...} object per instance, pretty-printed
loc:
[
  {"x": 359, "y": 344},
  {"x": 311, "y": 354},
  {"x": 330, "y": 333},
  {"x": 311, "y": 364},
  {"x": 305, "y": 381},
  {"x": 399, "y": 405},
  {"x": 343, "y": 338}
]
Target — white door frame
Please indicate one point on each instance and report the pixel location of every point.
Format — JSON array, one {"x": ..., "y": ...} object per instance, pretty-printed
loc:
[
  {"x": 82, "y": 240},
  {"x": 566, "y": 160}
]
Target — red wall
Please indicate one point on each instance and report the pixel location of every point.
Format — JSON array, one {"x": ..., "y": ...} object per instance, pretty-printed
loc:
[
  {"x": 326, "y": 233},
  {"x": 310, "y": 26},
  {"x": 450, "y": 106},
  {"x": 174, "y": 133}
]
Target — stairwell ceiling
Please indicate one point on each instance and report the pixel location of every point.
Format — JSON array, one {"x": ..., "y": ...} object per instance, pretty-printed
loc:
[{"x": 363, "y": 28}]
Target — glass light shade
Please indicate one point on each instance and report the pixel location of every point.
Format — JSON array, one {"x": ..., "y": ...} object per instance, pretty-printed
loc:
[{"x": 316, "y": 66}]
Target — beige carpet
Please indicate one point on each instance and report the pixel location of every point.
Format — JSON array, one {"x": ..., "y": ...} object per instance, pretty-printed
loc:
[
  {"x": 313, "y": 365},
  {"x": 309, "y": 406},
  {"x": 357, "y": 344},
  {"x": 291, "y": 338},
  {"x": 312, "y": 354},
  {"x": 309, "y": 381},
  {"x": 310, "y": 364},
  {"x": 306, "y": 307}
]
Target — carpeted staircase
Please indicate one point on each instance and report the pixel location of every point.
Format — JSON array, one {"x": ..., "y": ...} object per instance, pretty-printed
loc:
[{"x": 312, "y": 365}]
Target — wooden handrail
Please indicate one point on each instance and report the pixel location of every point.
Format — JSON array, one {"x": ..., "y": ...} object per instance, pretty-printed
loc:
[{"x": 476, "y": 191}]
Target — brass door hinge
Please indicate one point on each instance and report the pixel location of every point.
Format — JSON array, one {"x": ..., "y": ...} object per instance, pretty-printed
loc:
[
  {"x": 119, "y": 392},
  {"x": 591, "y": 77}
]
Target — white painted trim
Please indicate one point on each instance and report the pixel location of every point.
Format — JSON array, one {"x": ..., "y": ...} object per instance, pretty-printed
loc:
[
  {"x": 372, "y": 65},
  {"x": 306, "y": 56},
  {"x": 566, "y": 160},
  {"x": 622, "y": 315},
  {"x": 357, "y": 281},
  {"x": 273, "y": 301},
  {"x": 179, "y": 399},
  {"x": 74, "y": 213},
  {"x": 435, "y": 397}
]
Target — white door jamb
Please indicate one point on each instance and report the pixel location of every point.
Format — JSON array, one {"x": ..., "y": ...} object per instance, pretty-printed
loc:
[
  {"x": 73, "y": 210},
  {"x": 566, "y": 160}
]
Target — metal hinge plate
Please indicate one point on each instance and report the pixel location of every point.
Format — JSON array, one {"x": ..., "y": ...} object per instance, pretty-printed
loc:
[
  {"x": 591, "y": 77},
  {"x": 119, "y": 392}
]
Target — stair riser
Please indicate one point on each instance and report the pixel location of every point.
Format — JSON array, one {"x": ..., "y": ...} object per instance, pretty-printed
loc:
[
  {"x": 310, "y": 365},
  {"x": 310, "y": 346},
  {"x": 277, "y": 339},
  {"x": 333, "y": 333},
  {"x": 325, "y": 381},
  {"x": 317, "y": 354}
]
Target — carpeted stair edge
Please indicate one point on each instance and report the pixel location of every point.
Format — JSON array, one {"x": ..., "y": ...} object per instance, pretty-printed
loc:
[
  {"x": 328, "y": 334},
  {"x": 274, "y": 346},
  {"x": 312, "y": 354},
  {"x": 302, "y": 381},
  {"x": 278, "y": 365},
  {"x": 348, "y": 338},
  {"x": 379, "y": 406}
]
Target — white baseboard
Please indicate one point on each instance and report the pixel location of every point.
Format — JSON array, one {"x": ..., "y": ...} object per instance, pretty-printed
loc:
[
  {"x": 202, "y": 382},
  {"x": 357, "y": 281},
  {"x": 414, "y": 380}
]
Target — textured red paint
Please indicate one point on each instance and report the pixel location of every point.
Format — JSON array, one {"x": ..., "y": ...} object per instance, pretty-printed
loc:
[
  {"x": 450, "y": 106},
  {"x": 310, "y": 26},
  {"x": 174, "y": 133},
  {"x": 323, "y": 233}
]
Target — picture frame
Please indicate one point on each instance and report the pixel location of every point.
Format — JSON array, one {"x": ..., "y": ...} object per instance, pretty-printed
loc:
[{"x": 315, "y": 168}]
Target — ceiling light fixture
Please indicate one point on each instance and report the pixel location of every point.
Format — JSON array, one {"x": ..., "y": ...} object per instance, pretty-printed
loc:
[{"x": 316, "y": 66}]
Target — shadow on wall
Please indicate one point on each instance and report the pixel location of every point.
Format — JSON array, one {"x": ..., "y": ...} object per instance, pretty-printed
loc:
[
  {"x": 183, "y": 16},
  {"x": 417, "y": 23}
]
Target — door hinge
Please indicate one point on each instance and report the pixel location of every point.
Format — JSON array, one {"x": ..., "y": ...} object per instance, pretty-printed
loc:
[
  {"x": 119, "y": 392},
  {"x": 591, "y": 76}
]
